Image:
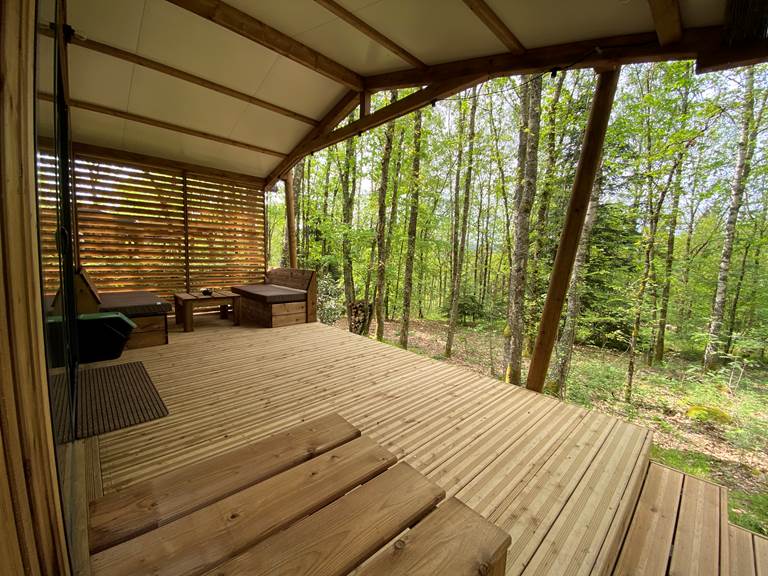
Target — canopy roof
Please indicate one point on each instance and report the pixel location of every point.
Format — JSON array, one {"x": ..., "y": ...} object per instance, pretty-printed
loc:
[{"x": 250, "y": 85}]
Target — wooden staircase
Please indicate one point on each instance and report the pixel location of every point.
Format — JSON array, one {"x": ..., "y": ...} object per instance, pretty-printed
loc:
[
  {"x": 680, "y": 526},
  {"x": 318, "y": 498}
]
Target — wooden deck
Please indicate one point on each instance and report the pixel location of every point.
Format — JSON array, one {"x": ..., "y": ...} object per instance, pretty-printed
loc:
[{"x": 562, "y": 481}]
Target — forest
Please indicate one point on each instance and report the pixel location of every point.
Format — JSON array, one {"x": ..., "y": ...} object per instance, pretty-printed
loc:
[{"x": 437, "y": 232}]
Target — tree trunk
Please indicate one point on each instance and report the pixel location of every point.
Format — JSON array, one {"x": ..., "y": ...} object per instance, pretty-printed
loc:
[
  {"x": 736, "y": 297},
  {"x": 525, "y": 193},
  {"x": 456, "y": 215},
  {"x": 669, "y": 260},
  {"x": 412, "y": 223},
  {"x": 348, "y": 177},
  {"x": 564, "y": 351},
  {"x": 392, "y": 222},
  {"x": 381, "y": 241},
  {"x": 459, "y": 264},
  {"x": 743, "y": 165}
]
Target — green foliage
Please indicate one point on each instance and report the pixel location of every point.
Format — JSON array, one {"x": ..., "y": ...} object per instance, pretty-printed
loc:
[
  {"x": 693, "y": 463},
  {"x": 330, "y": 303},
  {"x": 749, "y": 510}
]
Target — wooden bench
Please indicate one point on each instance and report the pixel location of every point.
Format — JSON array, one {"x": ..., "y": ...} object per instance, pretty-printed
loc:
[
  {"x": 288, "y": 296},
  {"x": 145, "y": 309},
  {"x": 316, "y": 499}
]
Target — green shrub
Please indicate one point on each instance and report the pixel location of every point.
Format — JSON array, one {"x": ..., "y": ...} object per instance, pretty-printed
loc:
[{"x": 330, "y": 301}]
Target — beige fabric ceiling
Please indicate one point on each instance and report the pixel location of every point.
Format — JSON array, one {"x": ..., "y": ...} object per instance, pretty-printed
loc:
[{"x": 435, "y": 31}]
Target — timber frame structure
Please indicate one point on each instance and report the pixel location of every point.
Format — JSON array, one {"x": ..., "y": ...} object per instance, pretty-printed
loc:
[{"x": 158, "y": 106}]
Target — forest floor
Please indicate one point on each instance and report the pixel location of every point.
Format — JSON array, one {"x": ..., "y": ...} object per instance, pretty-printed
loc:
[{"x": 712, "y": 425}]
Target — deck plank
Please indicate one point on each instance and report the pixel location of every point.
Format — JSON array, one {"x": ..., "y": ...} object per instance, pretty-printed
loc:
[
  {"x": 342, "y": 535},
  {"x": 697, "y": 537},
  {"x": 201, "y": 540},
  {"x": 742, "y": 551},
  {"x": 761, "y": 554},
  {"x": 146, "y": 505}
]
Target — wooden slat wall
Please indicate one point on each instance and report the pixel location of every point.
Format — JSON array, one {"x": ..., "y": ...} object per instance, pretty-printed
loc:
[
  {"x": 162, "y": 230},
  {"x": 47, "y": 220},
  {"x": 130, "y": 226},
  {"x": 226, "y": 233}
]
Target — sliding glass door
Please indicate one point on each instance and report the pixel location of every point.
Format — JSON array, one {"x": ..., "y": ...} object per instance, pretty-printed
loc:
[{"x": 57, "y": 240}]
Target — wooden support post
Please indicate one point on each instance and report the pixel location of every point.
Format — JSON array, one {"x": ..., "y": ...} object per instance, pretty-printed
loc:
[
  {"x": 365, "y": 103},
  {"x": 591, "y": 152},
  {"x": 290, "y": 219}
]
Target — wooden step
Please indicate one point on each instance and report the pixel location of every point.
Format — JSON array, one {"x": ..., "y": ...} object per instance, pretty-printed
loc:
[
  {"x": 649, "y": 539},
  {"x": 748, "y": 552},
  {"x": 123, "y": 515},
  {"x": 679, "y": 527},
  {"x": 452, "y": 541},
  {"x": 209, "y": 536},
  {"x": 342, "y": 535}
]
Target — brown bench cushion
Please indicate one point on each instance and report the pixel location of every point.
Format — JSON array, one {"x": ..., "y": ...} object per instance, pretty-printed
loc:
[
  {"x": 133, "y": 304},
  {"x": 270, "y": 293}
]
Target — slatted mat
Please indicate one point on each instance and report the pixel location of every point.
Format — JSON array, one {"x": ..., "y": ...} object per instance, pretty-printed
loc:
[{"x": 109, "y": 398}]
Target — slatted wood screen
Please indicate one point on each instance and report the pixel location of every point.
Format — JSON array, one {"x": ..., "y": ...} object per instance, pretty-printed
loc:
[
  {"x": 47, "y": 221},
  {"x": 161, "y": 230},
  {"x": 226, "y": 233}
]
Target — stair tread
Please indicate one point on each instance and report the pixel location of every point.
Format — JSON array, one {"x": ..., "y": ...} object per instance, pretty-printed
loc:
[
  {"x": 452, "y": 541},
  {"x": 219, "y": 531},
  {"x": 120, "y": 516},
  {"x": 336, "y": 539}
]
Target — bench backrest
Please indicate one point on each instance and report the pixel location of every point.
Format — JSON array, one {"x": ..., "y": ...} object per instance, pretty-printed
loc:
[
  {"x": 291, "y": 277},
  {"x": 301, "y": 279}
]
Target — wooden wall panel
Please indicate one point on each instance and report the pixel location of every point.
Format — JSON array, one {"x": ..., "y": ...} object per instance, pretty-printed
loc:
[{"x": 31, "y": 529}]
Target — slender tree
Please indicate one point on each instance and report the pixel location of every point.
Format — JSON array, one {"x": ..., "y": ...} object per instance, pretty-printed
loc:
[
  {"x": 381, "y": 222},
  {"x": 412, "y": 228},
  {"x": 745, "y": 151},
  {"x": 524, "y": 196},
  {"x": 459, "y": 264},
  {"x": 348, "y": 185}
]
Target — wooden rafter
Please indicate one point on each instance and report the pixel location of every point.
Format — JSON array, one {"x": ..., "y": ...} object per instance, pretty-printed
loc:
[
  {"x": 336, "y": 114},
  {"x": 249, "y": 27},
  {"x": 171, "y": 71},
  {"x": 721, "y": 58},
  {"x": 667, "y": 20},
  {"x": 98, "y": 108},
  {"x": 495, "y": 24},
  {"x": 589, "y": 161},
  {"x": 600, "y": 53},
  {"x": 370, "y": 31}
]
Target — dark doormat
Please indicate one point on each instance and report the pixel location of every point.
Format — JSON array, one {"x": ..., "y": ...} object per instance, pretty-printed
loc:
[{"x": 108, "y": 398}]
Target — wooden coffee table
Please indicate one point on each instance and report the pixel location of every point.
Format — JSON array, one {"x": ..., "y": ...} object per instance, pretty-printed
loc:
[{"x": 185, "y": 302}]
